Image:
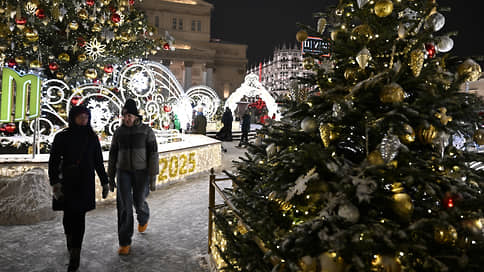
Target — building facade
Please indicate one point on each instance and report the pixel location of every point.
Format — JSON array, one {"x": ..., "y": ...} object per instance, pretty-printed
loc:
[
  {"x": 278, "y": 75},
  {"x": 197, "y": 59}
]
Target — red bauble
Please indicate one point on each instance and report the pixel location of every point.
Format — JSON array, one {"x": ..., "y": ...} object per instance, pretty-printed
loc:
[
  {"x": 40, "y": 13},
  {"x": 116, "y": 90},
  {"x": 75, "y": 100},
  {"x": 166, "y": 108},
  {"x": 115, "y": 18},
  {"x": 90, "y": 2},
  {"x": 21, "y": 21},
  {"x": 430, "y": 48},
  {"x": 108, "y": 69},
  {"x": 131, "y": 2},
  {"x": 166, "y": 46},
  {"x": 53, "y": 66},
  {"x": 449, "y": 202},
  {"x": 11, "y": 63},
  {"x": 10, "y": 127},
  {"x": 81, "y": 42}
]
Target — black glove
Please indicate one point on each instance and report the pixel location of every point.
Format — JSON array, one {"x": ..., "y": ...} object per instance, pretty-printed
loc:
[
  {"x": 152, "y": 183},
  {"x": 57, "y": 190},
  {"x": 112, "y": 184},
  {"x": 105, "y": 190}
]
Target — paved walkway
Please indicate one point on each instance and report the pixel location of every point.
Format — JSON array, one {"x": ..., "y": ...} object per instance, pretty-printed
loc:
[{"x": 176, "y": 238}]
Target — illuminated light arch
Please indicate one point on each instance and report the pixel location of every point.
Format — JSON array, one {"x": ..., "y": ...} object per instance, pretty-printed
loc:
[
  {"x": 205, "y": 97},
  {"x": 251, "y": 87}
]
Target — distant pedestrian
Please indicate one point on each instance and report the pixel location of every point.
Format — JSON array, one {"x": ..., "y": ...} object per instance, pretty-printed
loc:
[
  {"x": 244, "y": 139},
  {"x": 74, "y": 156},
  {"x": 200, "y": 123},
  {"x": 225, "y": 133},
  {"x": 133, "y": 159}
]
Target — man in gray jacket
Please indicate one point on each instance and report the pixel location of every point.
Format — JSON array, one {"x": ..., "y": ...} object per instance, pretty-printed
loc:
[{"x": 133, "y": 158}]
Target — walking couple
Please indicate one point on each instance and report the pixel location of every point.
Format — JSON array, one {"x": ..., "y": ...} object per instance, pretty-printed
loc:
[{"x": 75, "y": 156}]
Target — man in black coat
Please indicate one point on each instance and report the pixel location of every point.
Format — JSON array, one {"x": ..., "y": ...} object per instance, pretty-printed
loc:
[
  {"x": 74, "y": 156},
  {"x": 244, "y": 139},
  {"x": 225, "y": 133}
]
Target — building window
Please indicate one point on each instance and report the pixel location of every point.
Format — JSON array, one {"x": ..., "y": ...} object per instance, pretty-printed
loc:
[
  {"x": 157, "y": 21},
  {"x": 180, "y": 24},
  {"x": 193, "y": 25},
  {"x": 173, "y": 26},
  {"x": 199, "y": 26}
]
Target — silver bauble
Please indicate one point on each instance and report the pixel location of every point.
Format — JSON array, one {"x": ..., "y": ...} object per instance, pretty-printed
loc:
[
  {"x": 349, "y": 212},
  {"x": 444, "y": 44},
  {"x": 361, "y": 3},
  {"x": 309, "y": 124},
  {"x": 321, "y": 25},
  {"x": 363, "y": 57},
  {"x": 271, "y": 150},
  {"x": 435, "y": 22}
]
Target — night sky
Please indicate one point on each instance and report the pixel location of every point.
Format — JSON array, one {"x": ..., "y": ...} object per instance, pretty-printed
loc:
[{"x": 265, "y": 24}]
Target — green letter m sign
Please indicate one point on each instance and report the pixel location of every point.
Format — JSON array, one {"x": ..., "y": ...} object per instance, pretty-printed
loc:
[{"x": 25, "y": 86}]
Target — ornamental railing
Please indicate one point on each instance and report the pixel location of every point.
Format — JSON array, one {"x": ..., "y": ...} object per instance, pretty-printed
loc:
[{"x": 216, "y": 240}]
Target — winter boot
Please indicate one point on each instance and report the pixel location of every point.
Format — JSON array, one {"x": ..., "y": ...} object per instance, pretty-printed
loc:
[
  {"x": 74, "y": 259},
  {"x": 69, "y": 242}
]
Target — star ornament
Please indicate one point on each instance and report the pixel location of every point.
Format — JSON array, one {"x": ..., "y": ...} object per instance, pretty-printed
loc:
[{"x": 95, "y": 49}]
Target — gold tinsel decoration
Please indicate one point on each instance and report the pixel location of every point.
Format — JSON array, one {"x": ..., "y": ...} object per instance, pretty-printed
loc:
[
  {"x": 64, "y": 57},
  {"x": 383, "y": 8},
  {"x": 327, "y": 133},
  {"x": 469, "y": 70},
  {"x": 427, "y": 135},
  {"x": 35, "y": 64},
  {"x": 445, "y": 235},
  {"x": 392, "y": 93},
  {"x": 96, "y": 27},
  {"x": 20, "y": 59},
  {"x": 31, "y": 35},
  {"x": 417, "y": 57},
  {"x": 83, "y": 14}
]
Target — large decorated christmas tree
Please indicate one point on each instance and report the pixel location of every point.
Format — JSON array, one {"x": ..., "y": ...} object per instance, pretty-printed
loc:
[
  {"x": 379, "y": 169},
  {"x": 75, "y": 41}
]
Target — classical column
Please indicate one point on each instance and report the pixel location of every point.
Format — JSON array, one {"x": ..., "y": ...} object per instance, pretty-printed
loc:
[
  {"x": 187, "y": 76},
  {"x": 208, "y": 75}
]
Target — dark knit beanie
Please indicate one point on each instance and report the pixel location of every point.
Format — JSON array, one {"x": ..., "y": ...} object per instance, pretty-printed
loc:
[
  {"x": 130, "y": 107},
  {"x": 75, "y": 111}
]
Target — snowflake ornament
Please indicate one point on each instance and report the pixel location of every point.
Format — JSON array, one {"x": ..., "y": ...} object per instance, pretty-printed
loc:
[
  {"x": 100, "y": 114},
  {"x": 95, "y": 49}
]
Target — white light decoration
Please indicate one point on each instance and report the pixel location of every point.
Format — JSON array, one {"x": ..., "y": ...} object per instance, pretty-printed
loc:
[
  {"x": 95, "y": 49},
  {"x": 251, "y": 87},
  {"x": 153, "y": 86}
]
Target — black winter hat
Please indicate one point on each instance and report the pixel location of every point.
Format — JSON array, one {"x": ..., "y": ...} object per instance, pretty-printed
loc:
[
  {"x": 130, "y": 107},
  {"x": 75, "y": 111}
]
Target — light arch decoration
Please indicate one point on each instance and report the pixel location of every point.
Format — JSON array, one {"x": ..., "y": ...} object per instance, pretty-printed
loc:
[
  {"x": 152, "y": 85},
  {"x": 204, "y": 97},
  {"x": 251, "y": 87}
]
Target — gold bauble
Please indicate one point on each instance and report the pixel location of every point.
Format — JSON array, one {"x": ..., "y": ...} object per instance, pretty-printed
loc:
[
  {"x": 363, "y": 57},
  {"x": 327, "y": 133},
  {"x": 20, "y": 59},
  {"x": 469, "y": 70},
  {"x": 64, "y": 57},
  {"x": 444, "y": 235},
  {"x": 392, "y": 93},
  {"x": 363, "y": 32},
  {"x": 402, "y": 205},
  {"x": 35, "y": 48},
  {"x": 442, "y": 115},
  {"x": 59, "y": 75},
  {"x": 386, "y": 263},
  {"x": 73, "y": 25},
  {"x": 96, "y": 27},
  {"x": 31, "y": 35},
  {"x": 82, "y": 57},
  {"x": 153, "y": 51},
  {"x": 308, "y": 264},
  {"x": 83, "y": 14},
  {"x": 383, "y": 8},
  {"x": 375, "y": 158},
  {"x": 427, "y": 135},
  {"x": 301, "y": 35},
  {"x": 308, "y": 63},
  {"x": 330, "y": 262},
  {"x": 479, "y": 136},
  {"x": 35, "y": 64},
  {"x": 351, "y": 73},
  {"x": 409, "y": 134},
  {"x": 417, "y": 58},
  {"x": 91, "y": 73}
]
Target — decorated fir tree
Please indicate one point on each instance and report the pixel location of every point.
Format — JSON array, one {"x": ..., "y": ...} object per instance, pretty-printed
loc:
[
  {"x": 75, "y": 41},
  {"x": 378, "y": 169}
]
